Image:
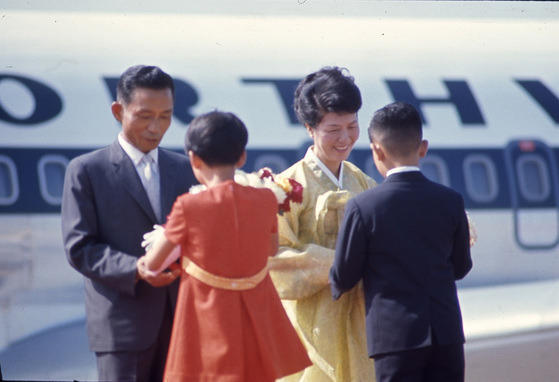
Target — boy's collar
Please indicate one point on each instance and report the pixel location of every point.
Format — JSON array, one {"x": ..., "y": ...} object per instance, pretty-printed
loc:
[{"x": 401, "y": 169}]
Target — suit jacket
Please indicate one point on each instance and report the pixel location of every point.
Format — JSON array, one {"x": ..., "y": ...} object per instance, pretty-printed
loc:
[
  {"x": 105, "y": 212},
  {"x": 408, "y": 239}
]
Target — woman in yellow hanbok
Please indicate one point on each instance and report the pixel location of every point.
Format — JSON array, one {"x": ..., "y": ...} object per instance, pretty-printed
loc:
[{"x": 333, "y": 332}]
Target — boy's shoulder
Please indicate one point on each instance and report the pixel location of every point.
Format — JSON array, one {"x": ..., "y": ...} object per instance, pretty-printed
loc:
[
  {"x": 442, "y": 189},
  {"x": 420, "y": 182}
]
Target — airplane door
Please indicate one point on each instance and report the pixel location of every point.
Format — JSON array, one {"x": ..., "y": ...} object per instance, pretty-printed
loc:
[{"x": 532, "y": 174}]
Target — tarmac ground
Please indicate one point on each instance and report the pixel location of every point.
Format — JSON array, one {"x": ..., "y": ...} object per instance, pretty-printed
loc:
[{"x": 62, "y": 354}]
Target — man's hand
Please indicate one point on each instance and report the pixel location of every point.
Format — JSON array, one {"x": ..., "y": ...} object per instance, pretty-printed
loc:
[{"x": 160, "y": 280}]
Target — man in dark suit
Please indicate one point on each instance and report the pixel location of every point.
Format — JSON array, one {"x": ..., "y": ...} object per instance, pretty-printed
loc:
[
  {"x": 408, "y": 240},
  {"x": 113, "y": 196}
]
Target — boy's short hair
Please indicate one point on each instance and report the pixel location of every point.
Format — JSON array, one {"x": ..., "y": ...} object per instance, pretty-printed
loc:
[
  {"x": 142, "y": 76},
  {"x": 218, "y": 138},
  {"x": 398, "y": 127}
]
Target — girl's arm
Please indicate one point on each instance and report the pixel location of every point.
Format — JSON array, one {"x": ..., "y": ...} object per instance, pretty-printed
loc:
[
  {"x": 161, "y": 254},
  {"x": 156, "y": 256},
  {"x": 151, "y": 266}
]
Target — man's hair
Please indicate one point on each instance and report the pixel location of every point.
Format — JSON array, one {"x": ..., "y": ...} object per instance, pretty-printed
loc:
[
  {"x": 142, "y": 76},
  {"x": 218, "y": 138},
  {"x": 397, "y": 127},
  {"x": 324, "y": 91}
]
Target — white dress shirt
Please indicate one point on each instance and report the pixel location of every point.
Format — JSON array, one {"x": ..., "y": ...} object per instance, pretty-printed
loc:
[
  {"x": 402, "y": 169},
  {"x": 152, "y": 185}
]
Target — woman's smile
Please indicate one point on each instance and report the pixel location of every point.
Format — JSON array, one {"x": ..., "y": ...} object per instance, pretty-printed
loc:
[{"x": 334, "y": 138}]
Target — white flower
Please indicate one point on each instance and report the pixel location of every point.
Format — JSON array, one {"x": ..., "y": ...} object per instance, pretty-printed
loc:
[
  {"x": 253, "y": 180},
  {"x": 277, "y": 190},
  {"x": 248, "y": 179},
  {"x": 241, "y": 178},
  {"x": 197, "y": 188}
]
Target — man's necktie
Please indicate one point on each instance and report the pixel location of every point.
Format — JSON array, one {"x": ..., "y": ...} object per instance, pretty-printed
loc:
[{"x": 151, "y": 184}]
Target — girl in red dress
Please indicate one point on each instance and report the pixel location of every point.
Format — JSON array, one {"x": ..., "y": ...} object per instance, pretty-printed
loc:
[{"x": 230, "y": 325}]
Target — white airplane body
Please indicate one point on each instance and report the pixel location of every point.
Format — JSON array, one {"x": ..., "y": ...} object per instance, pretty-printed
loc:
[{"x": 484, "y": 76}]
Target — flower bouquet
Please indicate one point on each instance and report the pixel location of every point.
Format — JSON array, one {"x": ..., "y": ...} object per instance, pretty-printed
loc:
[{"x": 286, "y": 190}]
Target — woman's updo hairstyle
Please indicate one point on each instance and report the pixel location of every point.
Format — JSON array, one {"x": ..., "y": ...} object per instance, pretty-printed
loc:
[{"x": 328, "y": 90}]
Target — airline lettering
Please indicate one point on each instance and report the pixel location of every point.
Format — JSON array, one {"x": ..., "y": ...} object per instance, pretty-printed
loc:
[
  {"x": 543, "y": 96},
  {"x": 460, "y": 96},
  {"x": 48, "y": 103}
]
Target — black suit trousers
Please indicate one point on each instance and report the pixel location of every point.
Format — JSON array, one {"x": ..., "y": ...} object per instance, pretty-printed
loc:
[{"x": 433, "y": 363}]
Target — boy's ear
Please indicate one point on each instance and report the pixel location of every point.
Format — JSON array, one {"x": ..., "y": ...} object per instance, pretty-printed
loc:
[
  {"x": 423, "y": 147},
  {"x": 377, "y": 150},
  {"x": 116, "y": 108},
  {"x": 242, "y": 160}
]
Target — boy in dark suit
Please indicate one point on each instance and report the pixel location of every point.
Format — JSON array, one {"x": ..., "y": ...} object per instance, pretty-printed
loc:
[{"x": 408, "y": 240}]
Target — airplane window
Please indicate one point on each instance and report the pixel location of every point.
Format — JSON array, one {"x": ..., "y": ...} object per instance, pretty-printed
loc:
[
  {"x": 533, "y": 179},
  {"x": 480, "y": 176},
  {"x": 435, "y": 169},
  {"x": 9, "y": 186},
  {"x": 51, "y": 170},
  {"x": 275, "y": 162}
]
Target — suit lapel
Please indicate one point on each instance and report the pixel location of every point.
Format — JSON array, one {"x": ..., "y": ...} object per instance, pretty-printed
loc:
[
  {"x": 167, "y": 180},
  {"x": 127, "y": 176}
]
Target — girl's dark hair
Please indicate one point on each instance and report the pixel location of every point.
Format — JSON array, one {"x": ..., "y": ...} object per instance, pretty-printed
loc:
[
  {"x": 142, "y": 76},
  {"x": 328, "y": 90},
  {"x": 218, "y": 138}
]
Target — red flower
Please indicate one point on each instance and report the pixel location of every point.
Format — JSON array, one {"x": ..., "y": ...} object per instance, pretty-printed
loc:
[
  {"x": 265, "y": 172},
  {"x": 297, "y": 191},
  {"x": 292, "y": 189}
]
